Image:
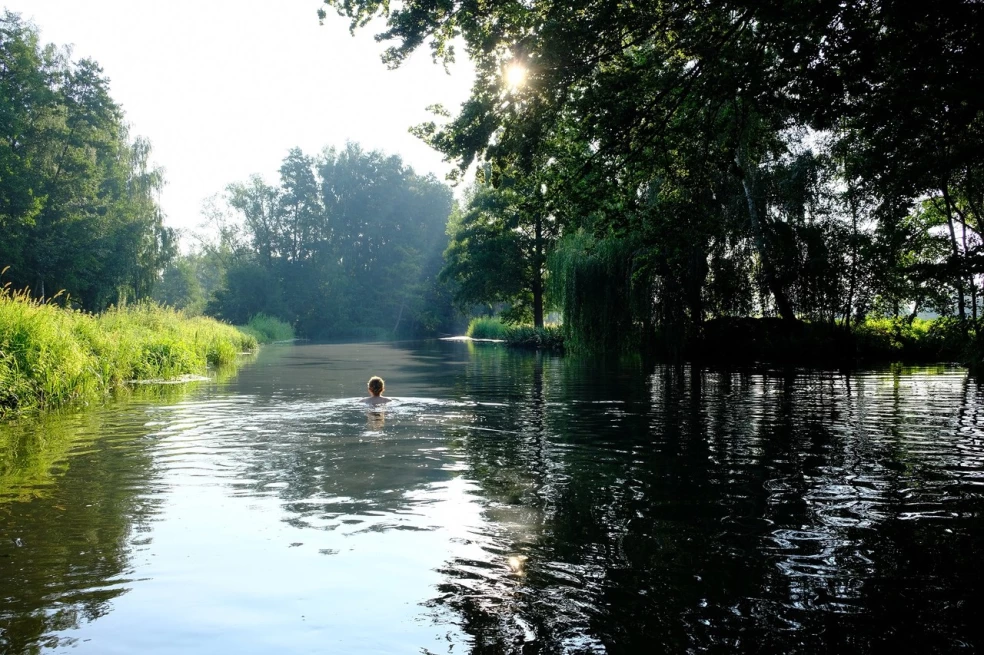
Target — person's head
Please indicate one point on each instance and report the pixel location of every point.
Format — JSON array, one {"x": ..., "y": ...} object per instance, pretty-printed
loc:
[{"x": 376, "y": 385}]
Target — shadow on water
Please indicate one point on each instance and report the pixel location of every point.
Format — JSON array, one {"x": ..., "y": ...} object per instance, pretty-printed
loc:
[{"x": 693, "y": 510}]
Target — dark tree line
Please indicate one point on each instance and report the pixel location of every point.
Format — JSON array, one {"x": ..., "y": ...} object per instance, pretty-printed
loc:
[
  {"x": 78, "y": 198},
  {"x": 348, "y": 243},
  {"x": 668, "y": 163}
]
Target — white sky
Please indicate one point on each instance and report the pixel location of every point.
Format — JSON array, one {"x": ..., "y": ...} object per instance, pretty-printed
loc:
[{"x": 224, "y": 88}]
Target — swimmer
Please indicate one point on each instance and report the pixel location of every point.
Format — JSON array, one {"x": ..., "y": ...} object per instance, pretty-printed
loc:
[{"x": 376, "y": 387}]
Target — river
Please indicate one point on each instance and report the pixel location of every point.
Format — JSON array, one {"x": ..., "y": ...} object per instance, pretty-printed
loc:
[{"x": 506, "y": 502}]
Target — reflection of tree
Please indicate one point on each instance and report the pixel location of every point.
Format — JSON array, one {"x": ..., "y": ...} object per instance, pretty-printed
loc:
[
  {"x": 706, "y": 510},
  {"x": 66, "y": 552}
]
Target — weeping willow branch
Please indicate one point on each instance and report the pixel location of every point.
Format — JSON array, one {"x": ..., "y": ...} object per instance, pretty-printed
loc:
[{"x": 592, "y": 279}]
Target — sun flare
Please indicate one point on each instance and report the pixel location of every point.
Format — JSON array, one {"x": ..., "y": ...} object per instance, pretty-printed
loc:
[{"x": 515, "y": 76}]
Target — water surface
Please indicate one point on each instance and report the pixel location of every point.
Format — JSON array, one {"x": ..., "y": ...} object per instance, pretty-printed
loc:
[{"x": 505, "y": 503}]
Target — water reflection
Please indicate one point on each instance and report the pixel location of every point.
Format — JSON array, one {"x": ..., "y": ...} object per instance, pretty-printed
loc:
[
  {"x": 70, "y": 528},
  {"x": 507, "y": 502},
  {"x": 738, "y": 510}
]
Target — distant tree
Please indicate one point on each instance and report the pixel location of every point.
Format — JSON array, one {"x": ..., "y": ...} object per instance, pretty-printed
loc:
[
  {"x": 348, "y": 241},
  {"x": 180, "y": 288}
]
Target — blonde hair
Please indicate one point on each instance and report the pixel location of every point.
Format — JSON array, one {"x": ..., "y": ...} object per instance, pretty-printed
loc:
[{"x": 376, "y": 385}]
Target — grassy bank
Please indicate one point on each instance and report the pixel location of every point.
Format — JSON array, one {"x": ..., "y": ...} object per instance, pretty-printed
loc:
[
  {"x": 738, "y": 340},
  {"x": 521, "y": 336},
  {"x": 51, "y": 356},
  {"x": 268, "y": 329},
  {"x": 876, "y": 340}
]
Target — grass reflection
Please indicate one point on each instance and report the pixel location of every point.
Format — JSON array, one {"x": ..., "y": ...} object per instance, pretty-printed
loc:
[
  {"x": 65, "y": 554},
  {"x": 35, "y": 450}
]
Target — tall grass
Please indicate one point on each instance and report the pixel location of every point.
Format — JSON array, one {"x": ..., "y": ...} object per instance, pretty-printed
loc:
[
  {"x": 487, "y": 328},
  {"x": 267, "y": 329},
  {"x": 549, "y": 337},
  {"x": 944, "y": 338},
  {"x": 52, "y": 356}
]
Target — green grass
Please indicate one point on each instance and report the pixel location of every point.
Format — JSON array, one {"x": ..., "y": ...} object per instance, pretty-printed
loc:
[
  {"x": 487, "y": 328},
  {"x": 549, "y": 337},
  {"x": 942, "y": 338},
  {"x": 522, "y": 336},
  {"x": 52, "y": 356},
  {"x": 267, "y": 329}
]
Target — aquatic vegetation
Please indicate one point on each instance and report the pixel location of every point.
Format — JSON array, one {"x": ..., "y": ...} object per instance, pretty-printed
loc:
[
  {"x": 485, "y": 327},
  {"x": 52, "y": 355},
  {"x": 549, "y": 337},
  {"x": 267, "y": 329}
]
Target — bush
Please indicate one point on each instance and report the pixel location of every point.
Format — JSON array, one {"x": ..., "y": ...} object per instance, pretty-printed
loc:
[
  {"x": 525, "y": 336},
  {"x": 487, "y": 328},
  {"x": 943, "y": 338},
  {"x": 267, "y": 329}
]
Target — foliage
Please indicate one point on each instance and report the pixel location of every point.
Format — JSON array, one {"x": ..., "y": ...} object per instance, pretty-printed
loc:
[
  {"x": 348, "y": 241},
  {"x": 51, "y": 355},
  {"x": 876, "y": 339},
  {"x": 594, "y": 282},
  {"x": 268, "y": 329},
  {"x": 487, "y": 328},
  {"x": 500, "y": 229},
  {"x": 180, "y": 288},
  {"x": 549, "y": 337},
  {"x": 78, "y": 207},
  {"x": 814, "y": 161},
  {"x": 920, "y": 339}
]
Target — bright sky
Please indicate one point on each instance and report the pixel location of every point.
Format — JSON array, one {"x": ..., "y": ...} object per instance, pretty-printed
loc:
[{"x": 224, "y": 88}]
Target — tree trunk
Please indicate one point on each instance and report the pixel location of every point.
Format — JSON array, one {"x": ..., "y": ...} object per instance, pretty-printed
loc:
[
  {"x": 971, "y": 283},
  {"x": 538, "y": 271},
  {"x": 915, "y": 309},
  {"x": 956, "y": 253},
  {"x": 852, "y": 289},
  {"x": 782, "y": 302}
]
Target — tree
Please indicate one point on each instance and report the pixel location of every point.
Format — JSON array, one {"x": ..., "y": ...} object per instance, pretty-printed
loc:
[
  {"x": 349, "y": 241},
  {"x": 486, "y": 262},
  {"x": 179, "y": 287},
  {"x": 77, "y": 194},
  {"x": 683, "y": 128}
]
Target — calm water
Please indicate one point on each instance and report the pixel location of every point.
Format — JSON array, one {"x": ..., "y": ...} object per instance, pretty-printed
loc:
[{"x": 507, "y": 503}]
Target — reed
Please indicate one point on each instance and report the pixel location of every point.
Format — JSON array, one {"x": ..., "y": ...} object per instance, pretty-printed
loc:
[
  {"x": 52, "y": 356},
  {"x": 549, "y": 337},
  {"x": 487, "y": 328}
]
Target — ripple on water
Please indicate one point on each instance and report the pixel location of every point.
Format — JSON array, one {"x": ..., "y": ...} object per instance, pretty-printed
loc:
[{"x": 557, "y": 509}]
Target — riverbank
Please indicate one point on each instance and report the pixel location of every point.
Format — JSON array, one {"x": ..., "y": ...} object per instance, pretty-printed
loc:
[
  {"x": 881, "y": 340},
  {"x": 550, "y": 337},
  {"x": 740, "y": 340},
  {"x": 51, "y": 356}
]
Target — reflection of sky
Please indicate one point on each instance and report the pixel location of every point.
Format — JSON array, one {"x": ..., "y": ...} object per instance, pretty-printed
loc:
[
  {"x": 356, "y": 584},
  {"x": 296, "y": 527}
]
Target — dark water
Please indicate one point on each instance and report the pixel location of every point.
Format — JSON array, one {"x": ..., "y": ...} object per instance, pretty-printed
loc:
[{"x": 507, "y": 503}]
